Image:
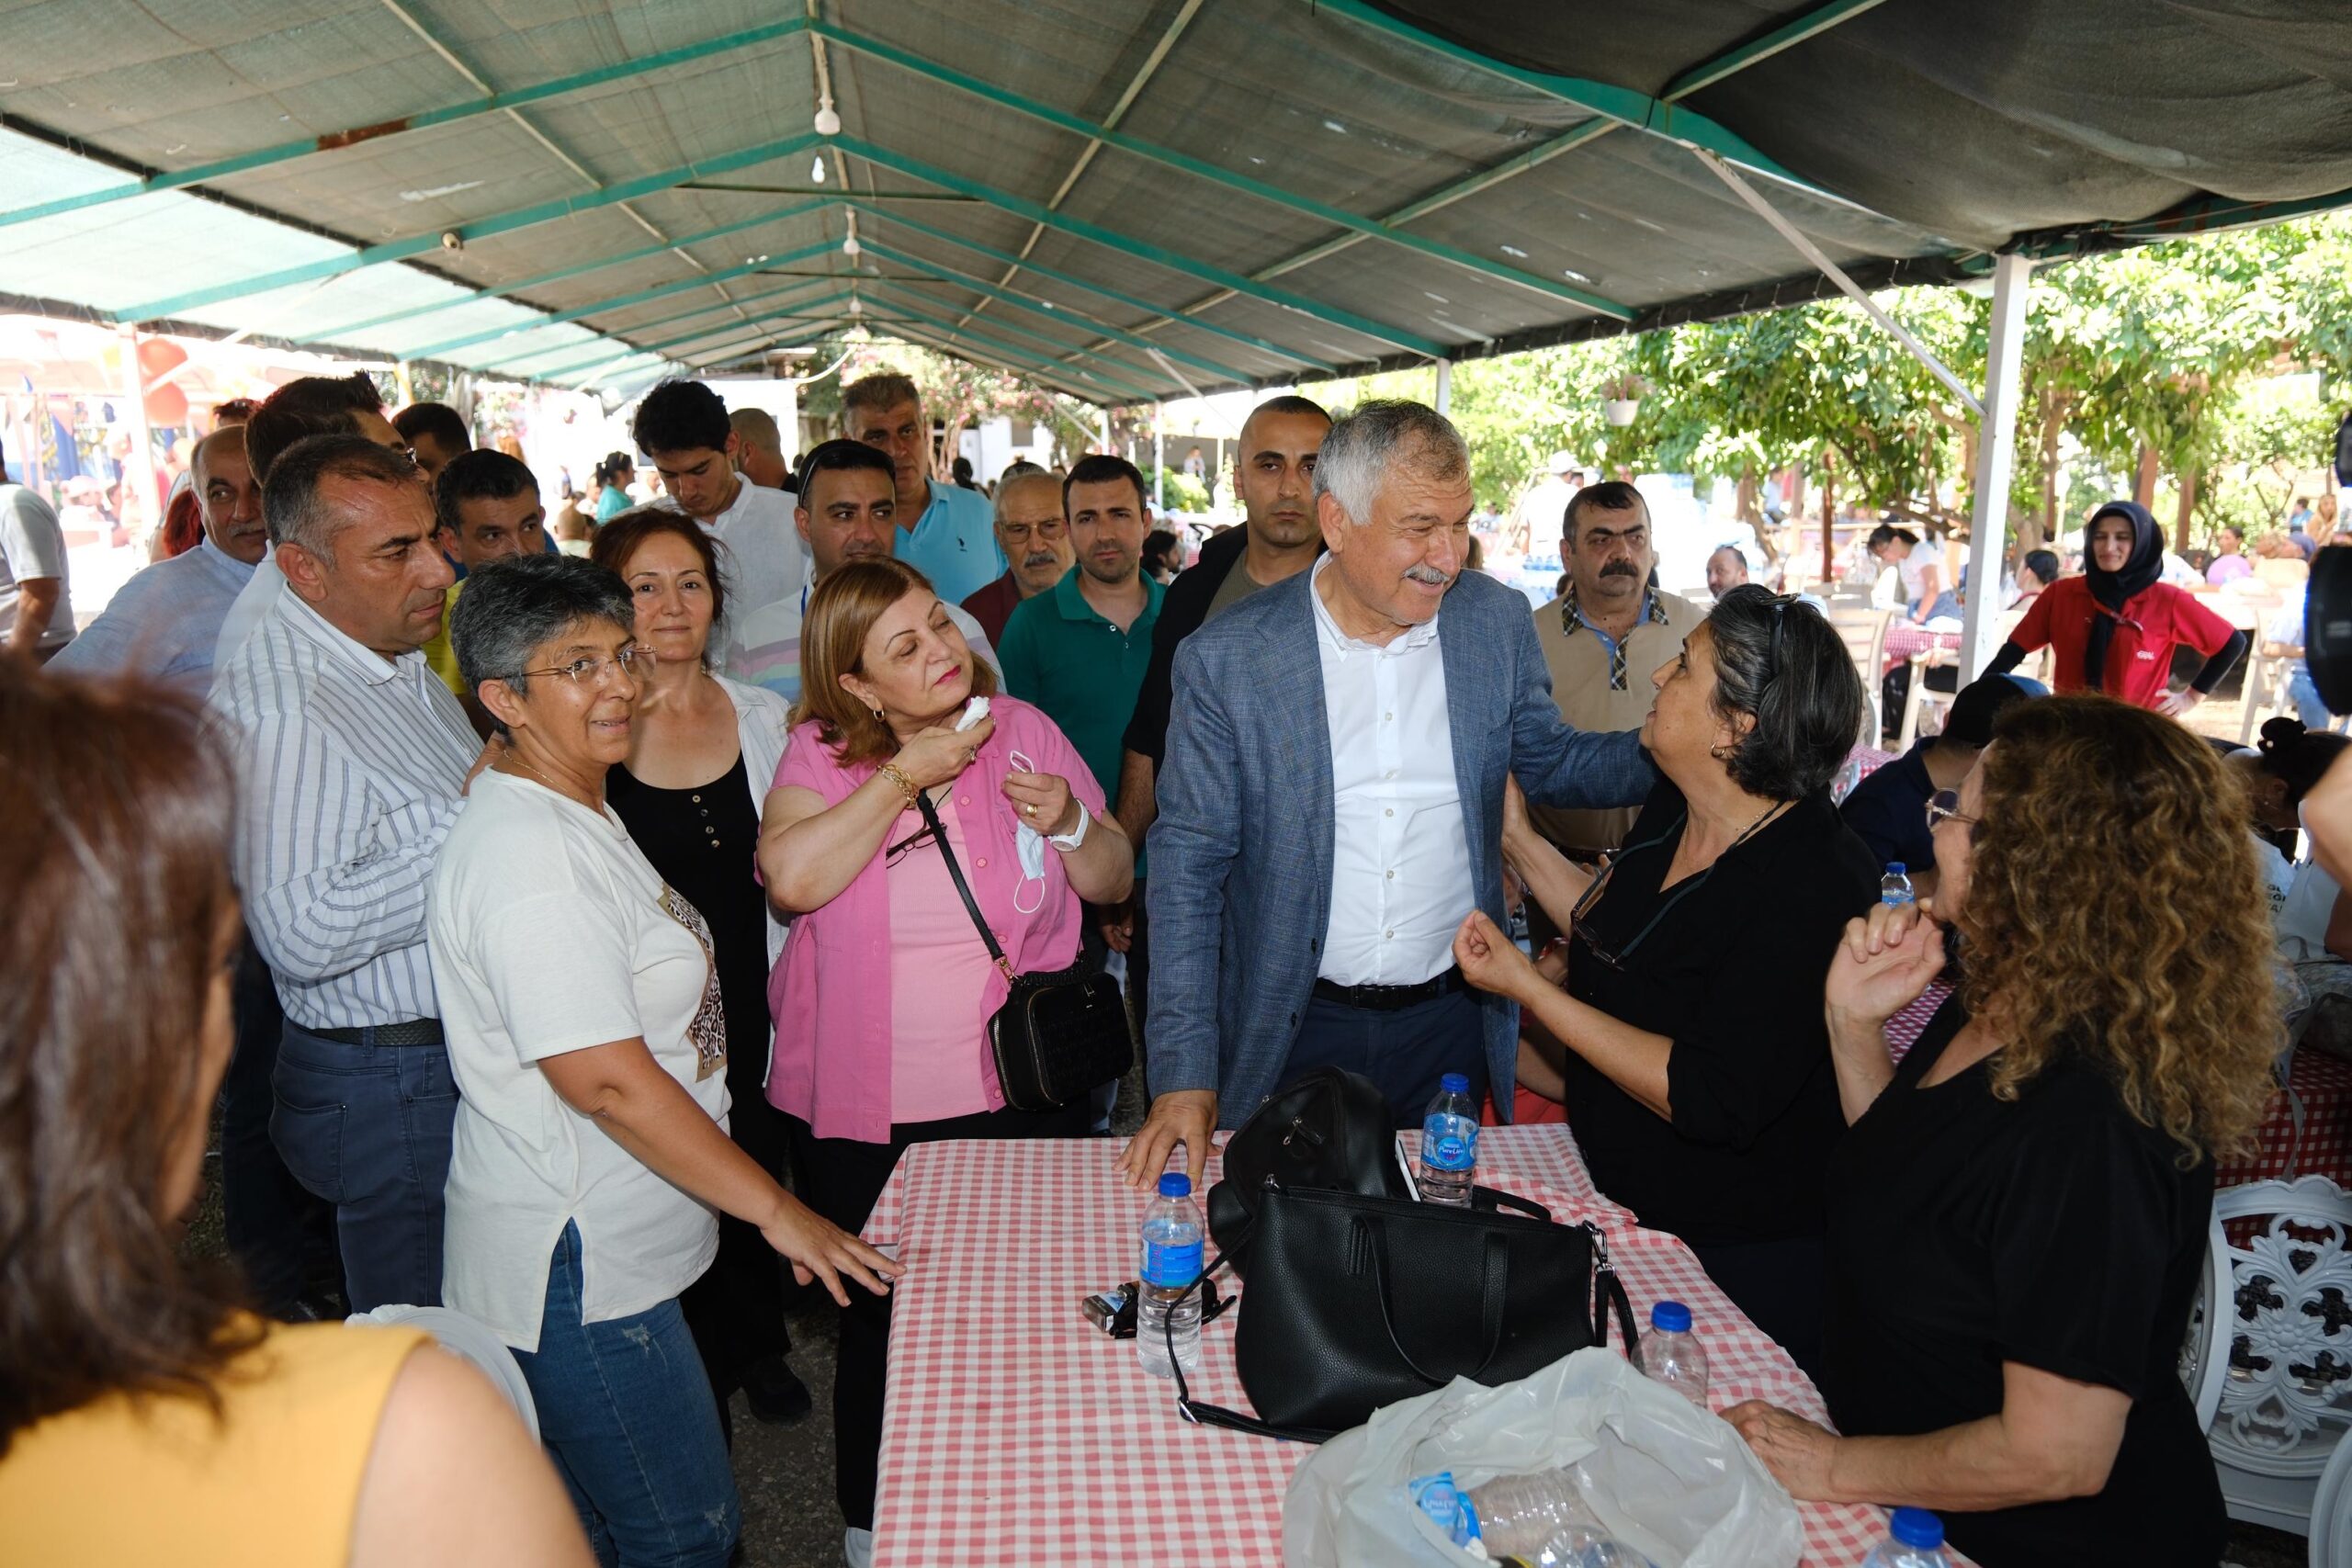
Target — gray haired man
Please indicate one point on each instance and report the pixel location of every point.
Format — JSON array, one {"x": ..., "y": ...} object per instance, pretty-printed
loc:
[
  {"x": 351, "y": 760},
  {"x": 1330, "y": 809}
]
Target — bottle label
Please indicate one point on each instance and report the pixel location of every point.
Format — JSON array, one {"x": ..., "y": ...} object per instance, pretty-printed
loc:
[
  {"x": 1171, "y": 1266},
  {"x": 1450, "y": 1143}
]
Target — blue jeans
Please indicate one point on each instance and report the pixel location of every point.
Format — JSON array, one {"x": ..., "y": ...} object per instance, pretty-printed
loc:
[
  {"x": 626, "y": 1412},
  {"x": 2302, "y": 694},
  {"x": 276, "y": 1230},
  {"x": 1946, "y": 603},
  {"x": 367, "y": 1128}
]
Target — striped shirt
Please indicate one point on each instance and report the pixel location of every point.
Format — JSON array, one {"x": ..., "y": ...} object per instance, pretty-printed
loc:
[{"x": 349, "y": 772}]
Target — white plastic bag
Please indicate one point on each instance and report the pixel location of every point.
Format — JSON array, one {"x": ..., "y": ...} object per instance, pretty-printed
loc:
[{"x": 1675, "y": 1482}]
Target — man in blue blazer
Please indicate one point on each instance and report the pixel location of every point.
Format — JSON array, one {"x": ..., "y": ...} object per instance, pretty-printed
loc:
[{"x": 1330, "y": 809}]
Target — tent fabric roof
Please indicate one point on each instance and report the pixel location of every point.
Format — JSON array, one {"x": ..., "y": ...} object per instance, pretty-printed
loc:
[{"x": 1127, "y": 199}]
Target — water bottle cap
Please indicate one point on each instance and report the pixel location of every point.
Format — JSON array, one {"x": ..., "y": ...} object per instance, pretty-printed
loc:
[
  {"x": 1671, "y": 1316},
  {"x": 1455, "y": 1083},
  {"x": 1175, "y": 1184},
  {"x": 1895, "y": 868},
  {"x": 1916, "y": 1526}
]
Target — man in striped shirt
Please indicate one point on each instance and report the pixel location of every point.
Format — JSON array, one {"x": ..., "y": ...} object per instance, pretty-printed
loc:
[{"x": 352, "y": 761}]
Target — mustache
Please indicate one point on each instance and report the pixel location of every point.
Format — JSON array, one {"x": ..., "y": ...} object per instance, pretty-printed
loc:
[
  {"x": 1040, "y": 557},
  {"x": 1620, "y": 569},
  {"x": 1423, "y": 572}
]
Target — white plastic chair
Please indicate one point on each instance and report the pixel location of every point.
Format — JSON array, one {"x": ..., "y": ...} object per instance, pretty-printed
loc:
[{"x": 470, "y": 1339}]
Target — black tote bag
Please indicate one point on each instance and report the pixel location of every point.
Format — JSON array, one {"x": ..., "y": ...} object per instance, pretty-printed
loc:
[{"x": 1358, "y": 1302}]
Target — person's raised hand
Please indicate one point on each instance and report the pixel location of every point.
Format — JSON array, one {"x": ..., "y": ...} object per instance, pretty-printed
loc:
[
  {"x": 1043, "y": 801},
  {"x": 2176, "y": 704},
  {"x": 938, "y": 754},
  {"x": 1491, "y": 960},
  {"x": 819, "y": 1250},
  {"x": 1797, "y": 1451},
  {"x": 1185, "y": 1116},
  {"x": 1515, "y": 817},
  {"x": 1887, "y": 958}
]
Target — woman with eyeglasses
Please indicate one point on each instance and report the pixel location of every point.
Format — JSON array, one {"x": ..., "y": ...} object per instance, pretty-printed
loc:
[
  {"x": 2018, "y": 1214},
  {"x": 1696, "y": 1062},
  {"x": 2114, "y": 628},
  {"x": 702, "y": 751},
  {"x": 588, "y": 1033},
  {"x": 883, "y": 998}
]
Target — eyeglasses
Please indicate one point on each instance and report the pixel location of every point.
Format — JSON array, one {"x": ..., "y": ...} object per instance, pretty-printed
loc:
[
  {"x": 1944, "y": 806},
  {"x": 907, "y": 846},
  {"x": 1780, "y": 603},
  {"x": 590, "y": 671},
  {"x": 1581, "y": 926}
]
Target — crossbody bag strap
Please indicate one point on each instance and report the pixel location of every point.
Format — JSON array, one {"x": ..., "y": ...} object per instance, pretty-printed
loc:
[
  {"x": 971, "y": 905},
  {"x": 1203, "y": 1415}
]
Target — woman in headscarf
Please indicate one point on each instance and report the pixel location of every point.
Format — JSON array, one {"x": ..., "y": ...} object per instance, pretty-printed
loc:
[{"x": 2114, "y": 628}]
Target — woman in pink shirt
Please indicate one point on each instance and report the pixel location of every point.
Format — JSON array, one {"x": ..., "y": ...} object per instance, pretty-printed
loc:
[{"x": 883, "y": 996}]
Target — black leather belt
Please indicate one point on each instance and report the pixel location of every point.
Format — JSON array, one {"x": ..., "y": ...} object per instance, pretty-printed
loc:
[
  {"x": 413, "y": 1031},
  {"x": 1390, "y": 998}
]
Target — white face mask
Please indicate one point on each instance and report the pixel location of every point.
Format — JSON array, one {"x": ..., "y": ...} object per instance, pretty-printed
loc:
[{"x": 1029, "y": 847}]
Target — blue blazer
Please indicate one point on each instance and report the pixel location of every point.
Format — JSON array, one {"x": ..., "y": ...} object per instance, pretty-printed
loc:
[{"x": 1239, "y": 893}]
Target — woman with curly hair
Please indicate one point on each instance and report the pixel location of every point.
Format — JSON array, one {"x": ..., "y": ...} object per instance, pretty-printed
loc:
[{"x": 2018, "y": 1213}]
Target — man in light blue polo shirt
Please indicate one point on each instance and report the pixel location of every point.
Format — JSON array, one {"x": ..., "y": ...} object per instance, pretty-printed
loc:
[
  {"x": 164, "y": 622},
  {"x": 946, "y": 532}
]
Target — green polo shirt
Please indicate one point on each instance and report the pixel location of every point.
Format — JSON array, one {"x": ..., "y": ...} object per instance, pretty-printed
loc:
[{"x": 1082, "y": 671}]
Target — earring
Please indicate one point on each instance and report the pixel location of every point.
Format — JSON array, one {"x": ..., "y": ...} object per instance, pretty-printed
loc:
[{"x": 878, "y": 718}]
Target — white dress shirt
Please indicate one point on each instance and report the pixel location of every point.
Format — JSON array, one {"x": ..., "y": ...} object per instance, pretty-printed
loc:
[
  {"x": 1400, "y": 862},
  {"x": 349, "y": 770},
  {"x": 764, "y": 571}
]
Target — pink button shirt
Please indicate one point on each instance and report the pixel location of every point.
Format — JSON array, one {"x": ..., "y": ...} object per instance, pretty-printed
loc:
[{"x": 834, "y": 983}]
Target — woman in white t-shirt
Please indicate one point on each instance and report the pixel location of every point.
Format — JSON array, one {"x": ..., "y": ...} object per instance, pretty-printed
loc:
[
  {"x": 1925, "y": 594},
  {"x": 589, "y": 1041},
  {"x": 2313, "y": 917}
]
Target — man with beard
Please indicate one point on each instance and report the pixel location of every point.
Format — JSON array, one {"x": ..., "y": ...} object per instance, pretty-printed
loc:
[
  {"x": 1274, "y": 477},
  {"x": 1035, "y": 536},
  {"x": 1602, "y": 639},
  {"x": 844, "y": 509}
]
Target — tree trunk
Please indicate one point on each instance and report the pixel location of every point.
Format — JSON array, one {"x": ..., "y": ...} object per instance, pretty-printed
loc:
[
  {"x": 2187, "y": 509},
  {"x": 1829, "y": 520},
  {"x": 2143, "y": 483},
  {"x": 2054, "y": 425}
]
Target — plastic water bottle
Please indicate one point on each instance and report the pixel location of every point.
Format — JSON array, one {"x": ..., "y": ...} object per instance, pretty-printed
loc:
[
  {"x": 1172, "y": 1261},
  {"x": 1670, "y": 1353},
  {"x": 1914, "y": 1539},
  {"x": 1895, "y": 888},
  {"x": 1541, "y": 1519},
  {"x": 1449, "y": 1142}
]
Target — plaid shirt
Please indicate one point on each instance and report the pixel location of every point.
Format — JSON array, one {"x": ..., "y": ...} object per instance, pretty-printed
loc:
[{"x": 1571, "y": 618}]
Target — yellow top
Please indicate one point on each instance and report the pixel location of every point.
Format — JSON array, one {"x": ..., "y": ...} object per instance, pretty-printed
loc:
[
  {"x": 275, "y": 1481},
  {"x": 438, "y": 653}
]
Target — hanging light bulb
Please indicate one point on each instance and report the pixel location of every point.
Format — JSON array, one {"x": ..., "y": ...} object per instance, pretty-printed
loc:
[
  {"x": 856, "y": 306},
  {"x": 817, "y": 170},
  {"x": 850, "y": 246},
  {"x": 828, "y": 122}
]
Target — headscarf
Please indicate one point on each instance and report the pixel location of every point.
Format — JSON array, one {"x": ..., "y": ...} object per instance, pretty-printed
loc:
[{"x": 2113, "y": 589}]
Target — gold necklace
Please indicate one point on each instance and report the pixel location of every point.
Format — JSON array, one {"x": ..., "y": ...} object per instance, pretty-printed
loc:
[{"x": 515, "y": 758}]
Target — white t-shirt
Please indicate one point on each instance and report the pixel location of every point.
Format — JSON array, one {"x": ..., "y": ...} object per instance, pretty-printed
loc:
[
  {"x": 2278, "y": 877},
  {"x": 764, "y": 571},
  {"x": 32, "y": 546},
  {"x": 2303, "y": 918},
  {"x": 551, "y": 932},
  {"x": 1913, "y": 567}
]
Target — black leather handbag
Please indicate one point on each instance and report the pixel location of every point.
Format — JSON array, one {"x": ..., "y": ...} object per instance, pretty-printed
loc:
[
  {"x": 1060, "y": 1032},
  {"x": 1358, "y": 1302},
  {"x": 1328, "y": 1128}
]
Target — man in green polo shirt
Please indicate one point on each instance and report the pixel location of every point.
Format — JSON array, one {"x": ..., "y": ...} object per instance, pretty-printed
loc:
[{"x": 1079, "y": 650}]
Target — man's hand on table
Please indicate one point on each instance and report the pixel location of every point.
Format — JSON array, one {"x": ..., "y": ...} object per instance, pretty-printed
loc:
[
  {"x": 1185, "y": 1116},
  {"x": 1794, "y": 1449}
]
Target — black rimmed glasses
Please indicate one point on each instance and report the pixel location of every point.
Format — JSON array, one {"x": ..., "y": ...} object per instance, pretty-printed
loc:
[
  {"x": 1944, "y": 806},
  {"x": 1580, "y": 925},
  {"x": 908, "y": 846}
]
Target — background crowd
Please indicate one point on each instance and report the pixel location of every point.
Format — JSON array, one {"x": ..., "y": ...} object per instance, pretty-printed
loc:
[{"x": 572, "y": 922}]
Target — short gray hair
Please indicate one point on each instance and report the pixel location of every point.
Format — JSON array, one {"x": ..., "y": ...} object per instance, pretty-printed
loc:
[
  {"x": 291, "y": 500},
  {"x": 1369, "y": 442},
  {"x": 511, "y": 608}
]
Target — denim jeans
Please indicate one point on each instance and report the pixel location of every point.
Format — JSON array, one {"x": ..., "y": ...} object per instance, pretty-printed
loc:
[
  {"x": 626, "y": 1412},
  {"x": 2303, "y": 695},
  {"x": 367, "y": 1128},
  {"x": 274, "y": 1230}
]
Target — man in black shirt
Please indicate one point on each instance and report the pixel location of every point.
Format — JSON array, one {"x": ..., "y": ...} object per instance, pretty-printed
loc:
[
  {"x": 1888, "y": 810},
  {"x": 1279, "y": 538}
]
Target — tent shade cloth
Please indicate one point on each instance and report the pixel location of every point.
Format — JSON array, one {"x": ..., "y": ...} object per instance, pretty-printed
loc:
[{"x": 1124, "y": 199}]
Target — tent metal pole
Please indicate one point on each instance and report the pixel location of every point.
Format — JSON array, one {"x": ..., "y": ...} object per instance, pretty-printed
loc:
[
  {"x": 508, "y": 365},
  {"x": 1158, "y": 459},
  {"x": 1444, "y": 386},
  {"x": 621, "y": 302},
  {"x": 1997, "y": 450},
  {"x": 1819, "y": 20},
  {"x": 1836, "y": 274}
]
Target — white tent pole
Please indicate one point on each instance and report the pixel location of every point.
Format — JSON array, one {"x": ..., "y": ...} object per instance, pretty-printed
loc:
[
  {"x": 1158, "y": 459},
  {"x": 1997, "y": 450},
  {"x": 1835, "y": 275},
  {"x": 1444, "y": 386}
]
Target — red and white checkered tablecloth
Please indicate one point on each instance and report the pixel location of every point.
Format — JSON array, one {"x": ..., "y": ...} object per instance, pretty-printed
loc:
[
  {"x": 1903, "y": 640},
  {"x": 1903, "y": 1031},
  {"x": 2323, "y": 1084},
  {"x": 1017, "y": 1435}
]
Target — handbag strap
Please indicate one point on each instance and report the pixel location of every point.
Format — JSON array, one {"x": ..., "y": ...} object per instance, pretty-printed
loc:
[
  {"x": 971, "y": 905},
  {"x": 1494, "y": 1287},
  {"x": 1205, "y": 1414}
]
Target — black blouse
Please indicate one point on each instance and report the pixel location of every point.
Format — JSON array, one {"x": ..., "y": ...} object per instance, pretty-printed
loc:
[
  {"x": 1732, "y": 973},
  {"x": 2054, "y": 1230}
]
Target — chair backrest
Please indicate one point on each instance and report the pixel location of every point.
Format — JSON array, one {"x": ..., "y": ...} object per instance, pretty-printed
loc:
[
  {"x": 2285, "y": 573},
  {"x": 1864, "y": 633}
]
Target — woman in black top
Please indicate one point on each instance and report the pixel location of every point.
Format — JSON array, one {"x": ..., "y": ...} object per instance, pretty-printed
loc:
[
  {"x": 1698, "y": 1082},
  {"x": 703, "y": 753},
  {"x": 2018, "y": 1218}
]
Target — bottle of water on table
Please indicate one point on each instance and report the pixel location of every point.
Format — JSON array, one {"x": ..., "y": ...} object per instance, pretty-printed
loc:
[
  {"x": 1915, "y": 1538},
  {"x": 1670, "y": 1353},
  {"x": 1542, "y": 1519},
  {"x": 1172, "y": 1261},
  {"x": 1895, "y": 888},
  {"x": 1449, "y": 1142}
]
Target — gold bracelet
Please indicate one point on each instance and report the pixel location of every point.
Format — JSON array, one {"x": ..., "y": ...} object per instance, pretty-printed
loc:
[{"x": 898, "y": 776}]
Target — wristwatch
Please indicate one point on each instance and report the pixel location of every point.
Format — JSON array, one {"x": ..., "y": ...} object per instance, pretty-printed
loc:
[{"x": 1076, "y": 836}]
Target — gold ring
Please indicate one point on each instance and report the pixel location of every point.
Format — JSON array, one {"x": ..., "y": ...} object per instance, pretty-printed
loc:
[{"x": 1029, "y": 810}]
